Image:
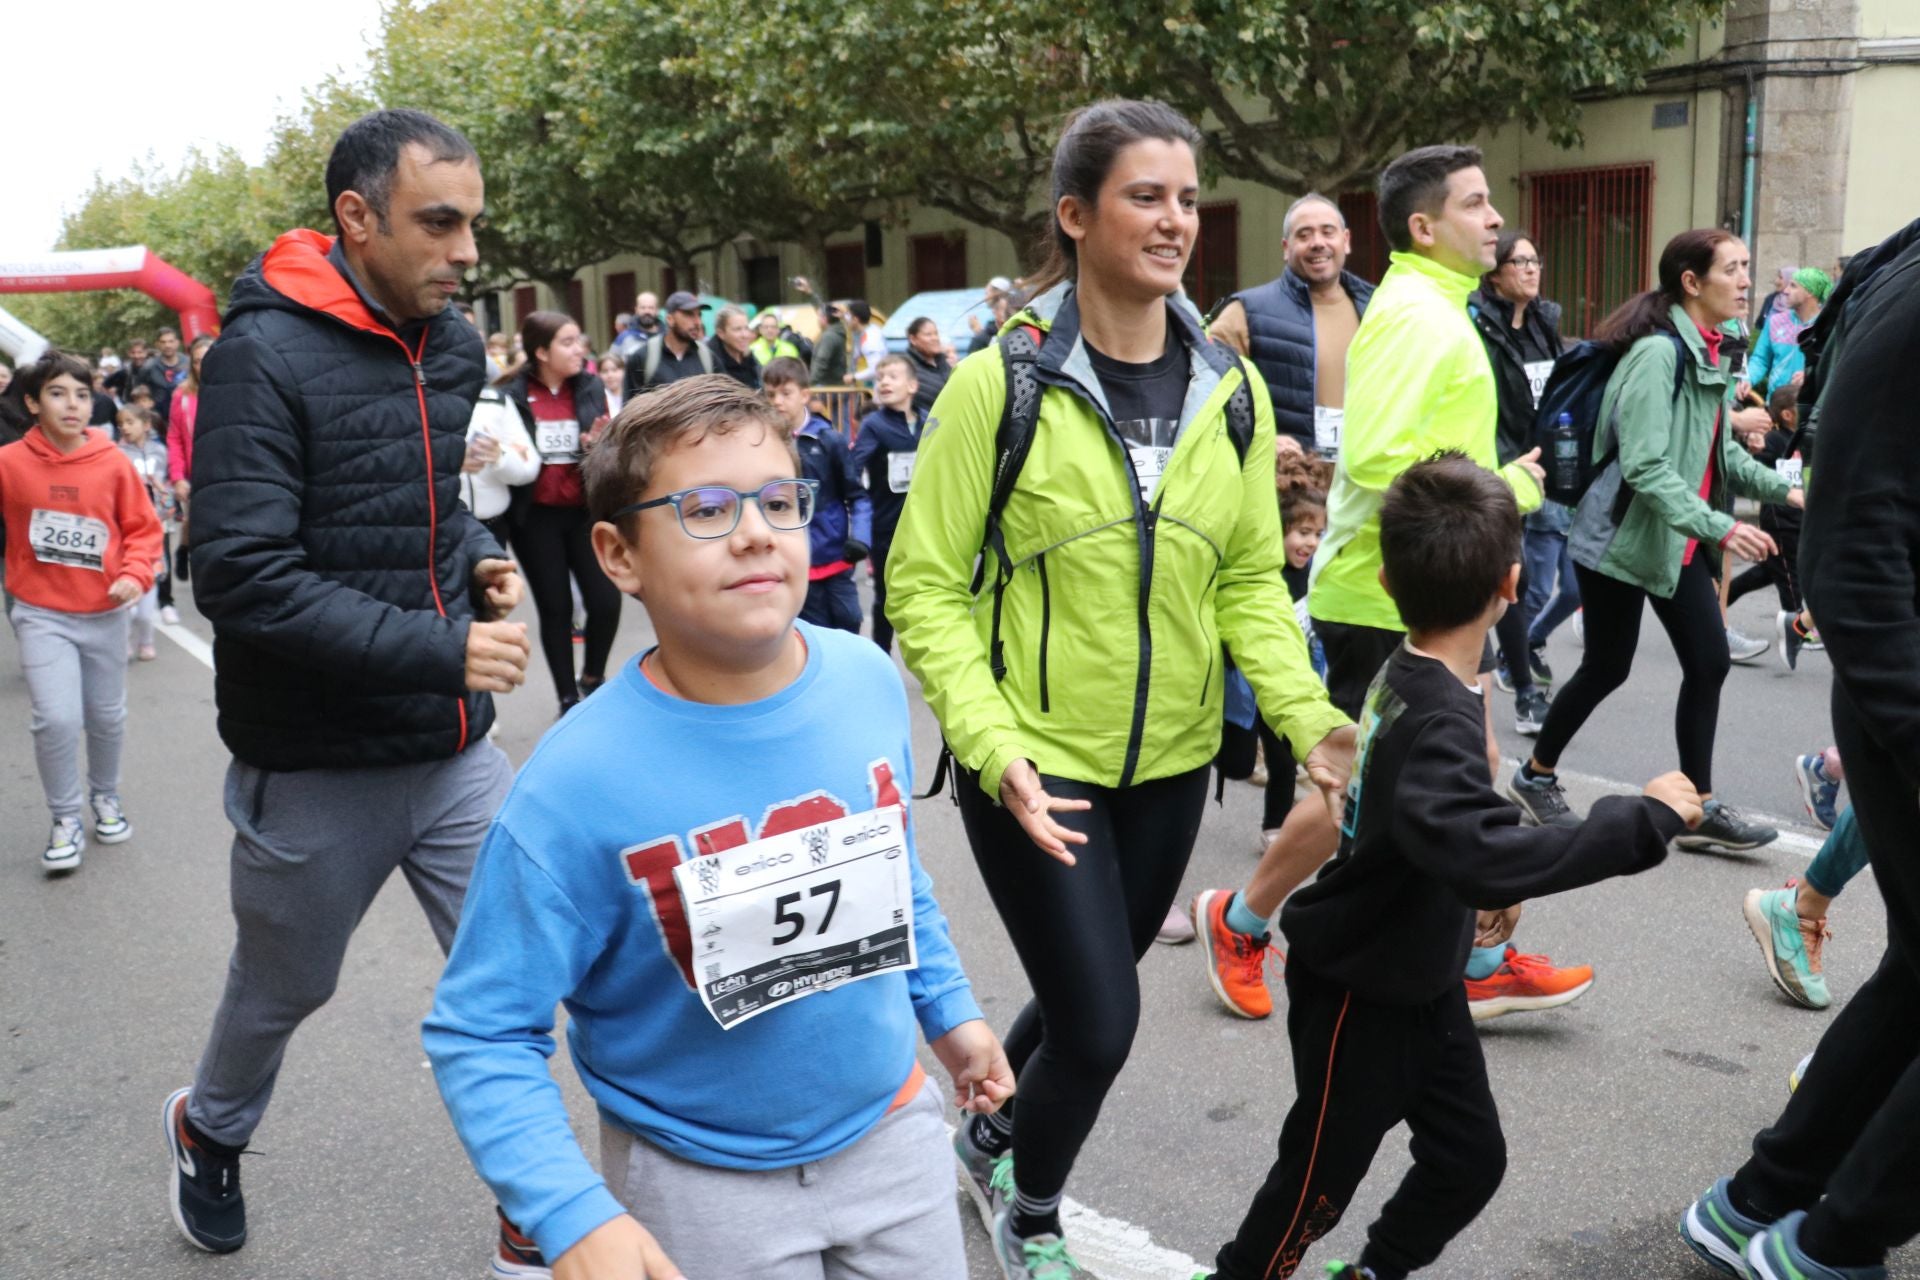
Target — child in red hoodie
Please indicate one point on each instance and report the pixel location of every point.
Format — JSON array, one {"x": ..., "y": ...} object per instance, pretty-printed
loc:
[{"x": 82, "y": 538}]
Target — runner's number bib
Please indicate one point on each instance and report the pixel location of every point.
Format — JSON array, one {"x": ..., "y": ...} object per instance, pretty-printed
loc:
[
  {"x": 1326, "y": 430},
  {"x": 60, "y": 537},
  {"x": 1790, "y": 469},
  {"x": 789, "y": 916},
  {"x": 1538, "y": 371},
  {"x": 557, "y": 441},
  {"x": 900, "y": 471}
]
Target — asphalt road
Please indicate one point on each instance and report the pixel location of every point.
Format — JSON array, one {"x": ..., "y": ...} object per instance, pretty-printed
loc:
[{"x": 1619, "y": 1109}]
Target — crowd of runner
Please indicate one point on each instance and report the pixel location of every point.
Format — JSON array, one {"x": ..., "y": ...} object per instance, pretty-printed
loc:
[{"x": 1126, "y": 550}]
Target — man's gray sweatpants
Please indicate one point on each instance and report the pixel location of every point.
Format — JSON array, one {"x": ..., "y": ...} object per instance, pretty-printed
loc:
[
  {"x": 311, "y": 850},
  {"x": 883, "y": 1209},
  {"x": 76, "y": 669}
]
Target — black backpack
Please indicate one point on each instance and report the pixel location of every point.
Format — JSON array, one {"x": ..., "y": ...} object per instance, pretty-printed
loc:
[
  {"x": 1013, "y": 441},
  {"x": 1576, "y": 388}
]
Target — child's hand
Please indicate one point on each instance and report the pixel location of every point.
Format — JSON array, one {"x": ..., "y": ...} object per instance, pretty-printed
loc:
[
  {"x": 1675, "y": 791},
  {"x": 124, "y": 590},
  {"x": 1329, "y": 765},
  {"x": 617, "y": 1249},
  {"x": 982, "y": 1078}
]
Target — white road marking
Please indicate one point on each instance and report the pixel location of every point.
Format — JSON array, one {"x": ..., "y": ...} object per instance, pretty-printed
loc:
[{"x": 192, "y": 643}]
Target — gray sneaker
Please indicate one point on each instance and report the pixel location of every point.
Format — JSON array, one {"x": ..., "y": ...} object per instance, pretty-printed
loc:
[
  {"x": 1725, "y": 828},
  {"x": 1744, "y": 648},
  {"x": 64, "y": 844},
  {"x": 1530, "y": 712},
  {"x": 989, "y": 1178},
  {"x": 1542, "y": 800},
  {"x": 110, "y": 825},
  {"x": 1042, "y": 1257}
]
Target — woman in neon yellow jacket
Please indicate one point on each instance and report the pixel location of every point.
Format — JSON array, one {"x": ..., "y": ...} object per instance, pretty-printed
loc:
[{"x": 1080, "y": 689}]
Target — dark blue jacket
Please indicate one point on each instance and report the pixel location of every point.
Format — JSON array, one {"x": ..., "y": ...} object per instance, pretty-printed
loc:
[
  {"x": 330, "y": 549},
  {"x": 1281, "y": 345},
  {"x": 841, "y": 512},
  {"x": 883, "y": 433}
]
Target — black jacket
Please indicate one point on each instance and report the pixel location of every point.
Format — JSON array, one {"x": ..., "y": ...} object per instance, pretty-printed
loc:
[
  {"x": 931, "y": 375},
  {"x": 1281, "y": 345},
  {"x": 745, "y": 370},
  {"x": 330, "y": 549},
  {"x": 1493, "y": 316}
]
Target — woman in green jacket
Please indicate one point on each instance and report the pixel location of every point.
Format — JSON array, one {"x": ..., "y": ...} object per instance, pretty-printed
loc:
[
  {"x": 1644, "y": 531},
  {"x": 1080, "y": 688}
]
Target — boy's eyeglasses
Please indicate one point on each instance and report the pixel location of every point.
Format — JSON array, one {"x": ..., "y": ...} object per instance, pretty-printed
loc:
[{"x": 713, "y": 511}]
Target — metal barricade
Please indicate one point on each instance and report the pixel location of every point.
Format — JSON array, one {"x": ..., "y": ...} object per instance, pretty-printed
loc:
[{"x": 842, "y": 406}]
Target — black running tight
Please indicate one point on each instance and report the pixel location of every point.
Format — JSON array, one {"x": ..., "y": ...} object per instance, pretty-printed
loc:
[
  {"x": 552, "y": 546},
  {"x": 1079, "y": 932},
  {"x": 1699, "y": 635}
]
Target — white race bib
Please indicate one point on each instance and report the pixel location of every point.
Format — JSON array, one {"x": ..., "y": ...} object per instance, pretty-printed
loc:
[
  {"x": 1538, "y": 371},
  {"x": 900, "y": 471},
  {"x": 1790, "y": 469},
  {"x": 791, "y": 915},
  {"x": 1326, "y": 430},
  {"x": 60, "y": 537},
  {"x": 557, "y": 441}
]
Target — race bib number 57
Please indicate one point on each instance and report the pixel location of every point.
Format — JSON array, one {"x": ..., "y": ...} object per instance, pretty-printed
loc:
[{"x": 795, "y": 914}]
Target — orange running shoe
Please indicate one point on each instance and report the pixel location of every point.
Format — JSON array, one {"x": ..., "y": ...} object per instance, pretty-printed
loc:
[
  {"x": 1523, "y": 983},
  {"x": 1236, "y": 962}
]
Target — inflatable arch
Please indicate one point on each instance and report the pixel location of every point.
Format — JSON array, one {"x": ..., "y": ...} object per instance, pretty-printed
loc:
[
  {"x": 19, "y": 342},
  {"x": 129, "y": 267}
]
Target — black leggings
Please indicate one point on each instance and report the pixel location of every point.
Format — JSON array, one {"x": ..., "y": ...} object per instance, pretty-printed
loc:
[
  {"x": 1699, "y": 635},
  {"x": 552, "y": 545},
  {"x": 1782, "y": 570},
  {"x": 1510, "y": 634},
  {"x": 1079, "y": 932},
  {"x": 882, "y": 628}
]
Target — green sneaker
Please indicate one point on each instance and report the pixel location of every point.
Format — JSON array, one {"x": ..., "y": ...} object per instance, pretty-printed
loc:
[
  {"x": 1790, "y": 944},
  {"x": 1041, "y": 1257},
  {"x": 989, "y": 1178}
]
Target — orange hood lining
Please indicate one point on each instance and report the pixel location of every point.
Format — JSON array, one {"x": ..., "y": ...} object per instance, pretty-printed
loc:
[{"x": 297, "y": 267}]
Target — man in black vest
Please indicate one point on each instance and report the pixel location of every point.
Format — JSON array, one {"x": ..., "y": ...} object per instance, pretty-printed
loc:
[{"x": 1296, "y": 328}]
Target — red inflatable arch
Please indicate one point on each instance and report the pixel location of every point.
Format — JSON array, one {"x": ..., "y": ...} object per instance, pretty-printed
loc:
[{"x": 129, "y": 267}]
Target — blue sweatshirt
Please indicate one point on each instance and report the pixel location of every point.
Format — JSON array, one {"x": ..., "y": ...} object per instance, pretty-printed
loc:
[
  {"x": 568, "y": 900},
  {"x": 841, "y": 512},
  {"x": 884, "y": 435}
]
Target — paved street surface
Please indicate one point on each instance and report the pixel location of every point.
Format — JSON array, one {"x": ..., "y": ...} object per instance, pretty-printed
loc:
[{"x": 1618, "y": 1109}]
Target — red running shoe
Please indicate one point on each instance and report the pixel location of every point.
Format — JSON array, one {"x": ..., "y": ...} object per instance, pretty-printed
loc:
[
  {"x": 1236, "y": 962},
  {"x": 1525, "y": 983}
]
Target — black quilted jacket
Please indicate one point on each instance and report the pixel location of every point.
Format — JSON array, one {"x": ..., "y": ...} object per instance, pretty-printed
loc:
[{"x": 330, "y": 549}]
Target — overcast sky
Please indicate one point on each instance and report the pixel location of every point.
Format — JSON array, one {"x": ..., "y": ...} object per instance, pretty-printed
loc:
[{"x": 107, "y": 84}]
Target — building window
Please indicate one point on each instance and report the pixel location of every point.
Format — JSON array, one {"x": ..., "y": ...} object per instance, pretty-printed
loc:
[
  {"x": 846, "y": 271},
  {"x": 577, "y": 302},
  {"x": 1368, "y": 257},
  {"x": 622, "y": 290},
  {"x": 763, "y": 280},
  {"x": 1213, "y": 271},
  {"x": 525, "y": 303},
  {"x": 939, "y": 261},
  {"x": 1593, "y": 228}
]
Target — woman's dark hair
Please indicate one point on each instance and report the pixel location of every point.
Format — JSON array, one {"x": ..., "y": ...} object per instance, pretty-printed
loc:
[
  {"x": 1089, "y": 143},
  {"x": 537, "y": 332},
  {"x": 918, "y": 323},
  {"x": 1502, "y": 253},
  {"x": 191, "y": 386},
  {"x": 1646, "y": 313}
]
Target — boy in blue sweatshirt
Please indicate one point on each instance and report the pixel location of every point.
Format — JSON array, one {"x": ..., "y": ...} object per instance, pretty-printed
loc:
[
  {"x": 883, "y": 455},
  {"x": 842, "y": 532},
  {"x": 711, "y": 863}
]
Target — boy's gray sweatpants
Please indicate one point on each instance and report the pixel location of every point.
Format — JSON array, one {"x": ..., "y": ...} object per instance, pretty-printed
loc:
[
  {"x": 76, "y": 669},
  {"x": 883, "y": 1209},
  {"x": 311, "y": 850}
]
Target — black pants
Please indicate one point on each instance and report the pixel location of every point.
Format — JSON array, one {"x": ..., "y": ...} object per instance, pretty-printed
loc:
[
  {"x": 1693, "y": 623},
  {"x": 164, "y": 579},
  {"x": 833, "y": 602},
  {"x": 882, "y": 628},
  {"x": 1355, "y": 654},
  {"x": 553, "y": 547},
  {"x": 1844, "y": 1148},
  {"x": 1278, "y": 801},
  {"x": 1511, "y": 635},
  {"x": 1781, "y": 570},
  {"x": 1359, "y": 1069},
  {"x": 1079, "y": 932}
]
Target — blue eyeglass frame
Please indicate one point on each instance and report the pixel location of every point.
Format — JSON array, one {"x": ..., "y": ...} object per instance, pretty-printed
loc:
[{"x": 745, "y": 495}]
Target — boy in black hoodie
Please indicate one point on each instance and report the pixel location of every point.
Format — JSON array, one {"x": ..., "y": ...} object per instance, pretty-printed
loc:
[{"x": 1377, "y": 1016}]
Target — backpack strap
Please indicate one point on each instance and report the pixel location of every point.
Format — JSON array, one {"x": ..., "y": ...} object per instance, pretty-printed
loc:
[
  {"x": 1019, "y": 416},
  {"x": 1239, "y": 407},
  {"x": 706, "y": 357}
]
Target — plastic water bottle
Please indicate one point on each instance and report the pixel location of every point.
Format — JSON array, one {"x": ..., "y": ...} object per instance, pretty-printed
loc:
[{"x": 1566, "y": 455}]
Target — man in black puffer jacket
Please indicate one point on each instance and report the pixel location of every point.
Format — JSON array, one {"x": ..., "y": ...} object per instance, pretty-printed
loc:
[{"x": 352, "y": 599}]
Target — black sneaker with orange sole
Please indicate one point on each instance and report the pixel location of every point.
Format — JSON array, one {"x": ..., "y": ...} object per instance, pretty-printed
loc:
[{"x": 205, "y": 1199}]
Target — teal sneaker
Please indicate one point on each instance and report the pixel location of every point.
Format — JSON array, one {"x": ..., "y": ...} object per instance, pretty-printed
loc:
[
  {"x": 1774, "y": 1254},
  {"x": 1719, "y": 1233},
  {"x": 1041, "y": 1257},
  {"x": 989, "y": 1178},
  {"x": 1790, "y": 944}
]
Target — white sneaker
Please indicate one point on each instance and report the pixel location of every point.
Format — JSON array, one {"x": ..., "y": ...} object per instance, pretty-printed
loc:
[
  {"x": 110, "y": 826},
  {"x": 64, "y": 844},
  {"x": 170, "y": 616},
  {"x": 1743, "y": 648},
  {"x": 1177, "y": 928}
]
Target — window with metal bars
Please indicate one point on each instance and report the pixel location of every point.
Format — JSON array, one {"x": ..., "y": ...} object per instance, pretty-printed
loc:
[
  {"x": 1213, "y": 270},
  {"x": 1368, "y": 258},
  {"x": 1594, "y": 229}
]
